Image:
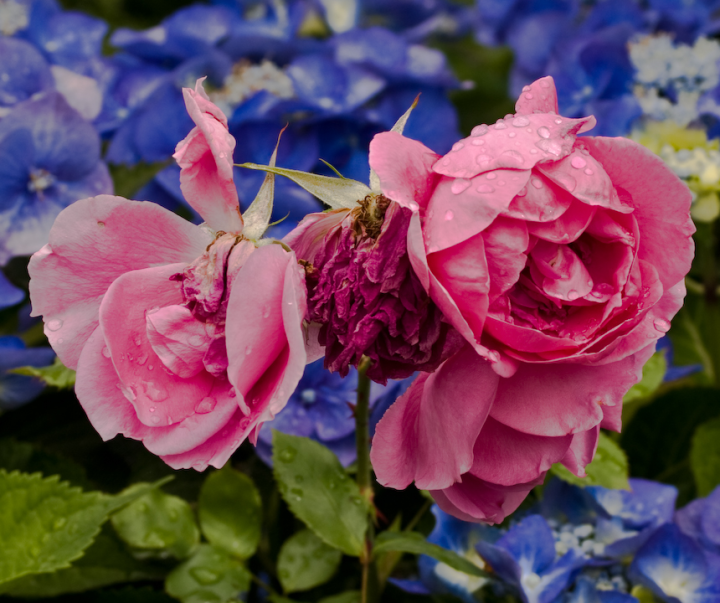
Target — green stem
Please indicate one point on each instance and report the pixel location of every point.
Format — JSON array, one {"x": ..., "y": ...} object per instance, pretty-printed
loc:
[{"x": 364, "y": 472}]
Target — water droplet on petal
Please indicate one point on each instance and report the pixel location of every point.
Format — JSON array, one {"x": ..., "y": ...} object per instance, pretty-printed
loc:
[
  {"x": 248, "y": 350},
  {"x": 533, "y": 151},
  {"x": 106, "y": 352},
  {"x": 514, "y": 157},
  {"x": 543, "y": 132},
  {"x": 458, "y": 146},
  {"x": 520, "y": 121},
  {"x": 573, "y": 295},
  {"x": 661, "y": 325},
  {"x": 205, "y": 405},
  {"x": 512, "y": 134},
  {"x": 522, "y": 192},
  {"x": 589, "y": 172},
  {"x": 446, "y": 161},
  {"x": 151, "y": 409},
  {"x": 491, "y": 176},
  {"x": 536, "y": 182},
  {"x": 484, "y": 188},
  {"x": 137, "y": 340},
  {"x": 478, "y": 142},
  {"x": 413, "y": 206},
  {"x": 155, "y": 420},
  {"x": 578, "y": 162},
  {"x": 196, "y": 341},
  {"x": 493, "y": 356},
  {"x": 558, "y": 121},
  {"x": 500, "y": 126},
  {"x": 480, "y": 130},
  {"x": 460, "y": 185},
  {"x": 54, "y": 325},
  {"x": 483, "y": 159},
  {"x": 449, "y": 215},
  {"x": 142, "y": 359}
]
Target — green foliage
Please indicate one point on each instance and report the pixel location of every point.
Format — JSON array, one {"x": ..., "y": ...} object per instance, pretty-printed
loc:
[
  {"x": 705, "y": 456},
  {"x": 209, "y": 576},
  {"x": 157, "y": 524},
  {"x": 657, "y": 442},
  {"x": 230, "y": 511},
  {"x": 695, "y": 338},
  {"x": 652, "y": 377},
  {"x": 55, "y": 375},
  {"x": 350, "y": 596},
  {"x": 23, "y": 457},
  {"x": 609, "y": 468},
  {"x": 412, "y": 542},
  {"x": 105, "y": 562},
  {"x": 46, "y": 524},
  {"x": 319, "y": 492},
  {"x": 305, "y": 562}
]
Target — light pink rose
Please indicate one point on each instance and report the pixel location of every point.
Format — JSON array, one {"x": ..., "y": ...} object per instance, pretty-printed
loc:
[
  {"x": 562, "y": 261},
  {"x": 185, "y": 337}
]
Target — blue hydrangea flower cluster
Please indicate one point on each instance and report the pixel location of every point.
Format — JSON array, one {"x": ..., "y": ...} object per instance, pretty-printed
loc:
[
  {"x": 590, "y": 545},
  {"x": 584, "y": 46},
  {"x": 49, "y": 95},
  {"x": 321, "y": 408},
  {"x": 263, "y": 71}
]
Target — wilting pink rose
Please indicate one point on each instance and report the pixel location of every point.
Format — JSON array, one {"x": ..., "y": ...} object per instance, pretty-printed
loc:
[
  {"x": 185, "y": 337},
  {"x": 562, "y": 261}
]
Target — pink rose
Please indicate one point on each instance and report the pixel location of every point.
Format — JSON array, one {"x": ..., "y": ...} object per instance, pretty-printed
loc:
[
  {"x": 561, "y": 260},
  {"x": 185, "y": 337}
]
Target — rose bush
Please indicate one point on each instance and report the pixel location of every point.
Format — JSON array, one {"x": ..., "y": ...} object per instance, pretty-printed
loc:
[
  {"x": 185, "y": 337},
  {"x": 561, "y": 260}
]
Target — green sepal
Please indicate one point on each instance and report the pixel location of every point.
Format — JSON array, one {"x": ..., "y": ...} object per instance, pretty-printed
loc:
[{"x": 55, "y": 375}]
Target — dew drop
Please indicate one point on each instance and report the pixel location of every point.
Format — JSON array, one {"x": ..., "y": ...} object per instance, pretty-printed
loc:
[
  {"x": 501, "y": 183},
  {"x": 205, "y": 405},
  {"x": 661, "y": 325},
  {"x": 54, "y": 325},
  {"x": 573, "y": 295},
  {"x": 458, "y": 146},
  {"x": 520, "y": 122},
  {"x": 155, "y": 420},
  {"x": 493, "y": 356},
  {"x": 522, "y": 192},
  {"x": 513, "y": 156},
  {"x": 413, "y": 206},
  {"x": 500, "y": 126},
  {"x": 59, "y": 523},
  {"x": 287, "y": 455},
  {"x": 536, "y": 182},
  {"x": 483, "y": 159},
  {"x": 106, "y": 352},
  {"x": 558, "y": 121},
  {"x": 480, "y": 130},
  {"x": 528, "y": 95},
  {"x": 589, "y": 172},
  {"x": 196, "y": 340},
  {"x": 142, "y": 359},
  {"x": 449, "y": 215},
  {"x": 446, "y": 161},
  {"x": 543, "y": 132},
  {"x": 578, "y": 162},
  {"x": 460, "y": 185},
  {"x": 491, "y": 176},
  {"x": 136, "y": 340},
  {"x": 204, "y": 576},
  {"x": 151, "y": 409},
  {"x": 533, "y": 151},
  {"x": 512, "y": 134},
  {"x": 266, "y": 312},
  {"x": 526, "y": 88},
  {"x": 484, "y": 188},
  {"x": 248, "y": 350},
  {"x": 150, "y": 367},
  {"x": 297, "y": 493}
]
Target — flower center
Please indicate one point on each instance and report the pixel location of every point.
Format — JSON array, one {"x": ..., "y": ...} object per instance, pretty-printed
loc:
[
  {"x": 370, "y": 215},
  {"x": 246, "y": 79},
  {"x": 39, "y": 179},
  {"x": 13, "y": 17}
]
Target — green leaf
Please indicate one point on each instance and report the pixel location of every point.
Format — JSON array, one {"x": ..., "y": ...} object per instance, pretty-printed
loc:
[
  {"x": 350, "y": 596},
  {"x": 24, "y": 457},
  {"x": 652, "y": 376},
  {"x": 338, "y": 193},
  {"x": 230, "y": 512},
  {"x": 105, "y": 562},
  {"x": 705, "y": 456},
  {"x": 157, "y": 524},
  {"x": 691, "y": 329},
  {"x": 412, "y": 542},
  {"x": 209, "y": 576},
  {"x": 657, "y": 442},
  {"x": 46, "y": 524},
  {"x": 609, "y": 468},
  {"x": 257, "y": 217},
  {"x": 305, "y": 562},
  {"x": 55, "y": 375},
  {"x": 319, "y": 492}
]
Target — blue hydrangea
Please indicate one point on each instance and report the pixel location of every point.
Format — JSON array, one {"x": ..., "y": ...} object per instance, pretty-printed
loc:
[
  {"x": 16, "y": 390},
  {"x": 10, "y": 295},
  {"x": 49, "y": 158},
  {"x": 321, "y": 408}
]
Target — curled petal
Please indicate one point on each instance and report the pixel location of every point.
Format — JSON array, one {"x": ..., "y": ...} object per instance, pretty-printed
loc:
[{"x": 582, "y": 450}]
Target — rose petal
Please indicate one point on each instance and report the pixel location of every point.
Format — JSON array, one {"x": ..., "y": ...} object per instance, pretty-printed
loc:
[
  {"x": 159, "y": 397},
  {"x": 541, "y": 200},
  {"x": 538, "y": 97},
  {"x": 427, "y": 435},
  {"x": 560, "y": 399},
  {"x": 92, "y": 243},
  {"x": 561, "y": 273},
  {"x": 404, "y": 167},
  {"x": 507, "y": 457},
  {"x": 566, "y": 228},
  {"x": 506, "y": 242},
  {"x": 205, "y": 158},
  {"x": 582, "y": 450},
  {"x": 661, "y": 204}
]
